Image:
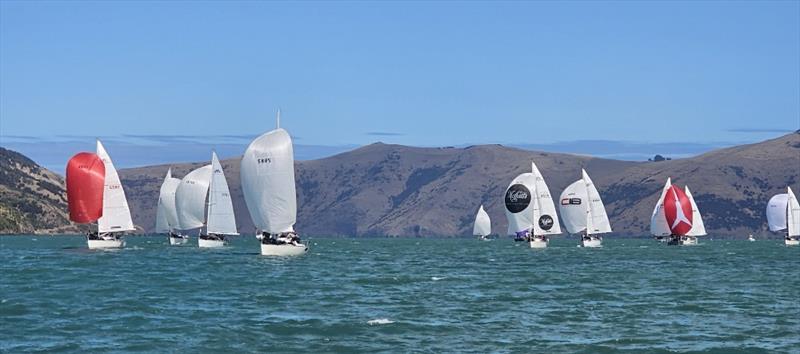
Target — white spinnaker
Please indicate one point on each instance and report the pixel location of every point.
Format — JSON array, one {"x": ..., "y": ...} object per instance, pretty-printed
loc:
[
  {"x": 268, "y": 185},
  {"x": 544, "y": 211},
  {"x": 221, "y": 219},
  {"x": 658, "y": 221},
  {"x": 116, "y": 214},
  {"x": 793, "y": 214},
  {"x": 598, "y": 218},
  {"x": 166, "y": 215},
  {"x": 190, "y": 198},
  {"x": 483, "y": 225},
  {"x": 777, "y": 211},
  {"x": 522, "y": 219},
  {"x": 574, "y": 207},
  {"x": 698, "y": 227}
]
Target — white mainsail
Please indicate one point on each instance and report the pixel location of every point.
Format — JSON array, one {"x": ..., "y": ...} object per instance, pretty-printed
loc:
[
  {"x": 190, "y": 198},
  {"x": 483, "y": 225},
  {"x": 116, "y": 214},
  {"x": 519, "y": 202},
  {"x": 544, "y": 211},
  {"x": 268, "y": 185},
  {"x": 777, "y": 210},
  {"x": 658, "y": 221},
  {"x": 598, "y": 218},
  {"x": 166, "y": 215},
  {"x": 221, "y": 219},
  {"x": 792, "y": 214},
  {"x": 698, "y": 228}
]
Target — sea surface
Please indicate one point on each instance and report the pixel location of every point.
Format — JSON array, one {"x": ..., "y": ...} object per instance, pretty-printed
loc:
[{"x": 399, "y": 295}]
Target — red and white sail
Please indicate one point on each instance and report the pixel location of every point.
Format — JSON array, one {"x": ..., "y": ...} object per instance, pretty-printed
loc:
[{"x": 678, "y": 211}]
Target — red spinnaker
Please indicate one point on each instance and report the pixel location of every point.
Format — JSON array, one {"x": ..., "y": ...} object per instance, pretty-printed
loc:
[
  {"x": 678, "y": 211},
  {"x": 86, "y": 175}
]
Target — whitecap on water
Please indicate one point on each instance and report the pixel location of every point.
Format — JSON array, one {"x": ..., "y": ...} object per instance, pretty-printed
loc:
[
  {"x": 437, "y": 278},
  {"x": 379, "y": 321}
]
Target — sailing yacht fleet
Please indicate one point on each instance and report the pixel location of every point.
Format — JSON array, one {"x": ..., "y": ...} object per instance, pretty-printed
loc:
[{"x": 201, "y": 201}]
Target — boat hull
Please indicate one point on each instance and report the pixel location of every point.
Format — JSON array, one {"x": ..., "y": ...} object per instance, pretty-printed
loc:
[
  {"x": 210, "y": 243},
  {"x": 177, "y": 241},
  {"x": 592, "y": 242},
  {"x": 105, "y": 244},
  {"x": 283, "y": 250},
  {"x": 538, "y": 243},
  {"x": 792, "y": 242},
  {"x": 683, "y": 241}
]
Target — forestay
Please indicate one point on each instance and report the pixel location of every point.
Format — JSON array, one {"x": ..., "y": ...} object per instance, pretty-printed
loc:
[
  {"x": 267, "y": 174},
  {"x": 116, "y": 214},
  {"x": 220, "y": 208},
  {"x": 777, "y": 211},
  {"x": 190, "y": 198},
  {"x": 483, "y": 225}
]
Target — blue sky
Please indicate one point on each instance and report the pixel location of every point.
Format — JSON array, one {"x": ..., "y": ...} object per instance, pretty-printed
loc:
[{"x": 417, "y": 73}]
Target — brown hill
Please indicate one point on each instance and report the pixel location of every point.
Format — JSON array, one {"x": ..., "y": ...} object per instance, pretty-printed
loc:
[{"x": 397, "y": 190}]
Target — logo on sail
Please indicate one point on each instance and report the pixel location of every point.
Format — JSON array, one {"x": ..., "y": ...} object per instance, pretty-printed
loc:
[
  {"x": 518, "y": 197},
  {"x": 571, "y": 201},
  {"x": 545, "y": 222}
]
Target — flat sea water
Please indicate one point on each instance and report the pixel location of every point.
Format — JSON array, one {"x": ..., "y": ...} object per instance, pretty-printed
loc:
[{"x": 399, "y": 295}]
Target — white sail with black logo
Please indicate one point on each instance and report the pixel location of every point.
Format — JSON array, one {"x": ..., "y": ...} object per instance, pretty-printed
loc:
[
  {"x": 519, "y": 203},
  {"x": 190, "y": 198},
  {"x": 221, "y": 220},
  {"x": 544, "y": 211},
  {"x": 268, "y": 185},
  {"x": 116, "y": 214}
]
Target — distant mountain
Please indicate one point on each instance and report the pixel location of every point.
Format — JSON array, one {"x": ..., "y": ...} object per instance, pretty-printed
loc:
[
  {"x": 397, "y": 190},
  {"x": 32, "y": 199}
]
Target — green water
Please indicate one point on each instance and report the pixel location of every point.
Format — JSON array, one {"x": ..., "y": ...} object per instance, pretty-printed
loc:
[{"x": 399, "y": 295}]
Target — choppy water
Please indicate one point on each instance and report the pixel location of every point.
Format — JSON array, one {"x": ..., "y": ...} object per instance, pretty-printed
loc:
[{"x": 399, "y": 295}]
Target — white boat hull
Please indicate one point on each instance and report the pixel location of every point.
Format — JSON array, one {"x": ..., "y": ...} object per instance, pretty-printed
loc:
[
  {"x": 283, "y": 250},
  {"x": 176, "y": 241},
  {"x": 210, "y": 243},
  {"x": 538, "y": 243},
  {"x": 683, "y": 241},
  {"x": 793, "y": 242},
  {"x": 592, "y": 242},
  {"x": 102, "y": 244}
]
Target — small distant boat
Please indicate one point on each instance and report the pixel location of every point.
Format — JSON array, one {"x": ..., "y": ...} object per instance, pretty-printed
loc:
[
  {"x": 94, "y": 193},
  {"x": 783, "y": 213},
  {"x": 583, "y": 211},
  {"x": 751, "y": 238},
  {"x": 268, "y": 185},
  {"x": 530, "y": 210},
  {"x": 483, "y": 225},
  {"x": 676, "y": 215},
  {"x": 166, "y": 214}
]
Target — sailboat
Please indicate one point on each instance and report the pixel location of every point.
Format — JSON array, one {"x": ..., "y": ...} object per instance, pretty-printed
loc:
[
  {"x": 166, "y": 214},
  {"x": 220, "y": 221},
  {"x": 672, "y": 215},
  {"x": 751, "y": 238},
  {"x": 698, "y": 227},
  {"x": 483, "y": 225},
  {"x": 530, "y": 210},
  {"x": 783, "y": 213},
  {"x": 190, "y": 198},
  {"x": 267, "y": 173},
  {"x": 583, "y": 211}
]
